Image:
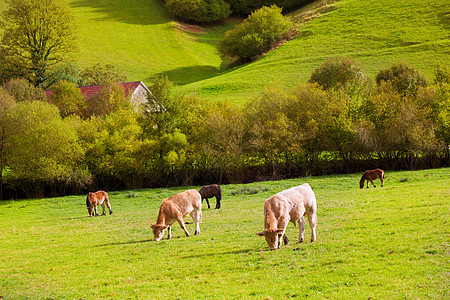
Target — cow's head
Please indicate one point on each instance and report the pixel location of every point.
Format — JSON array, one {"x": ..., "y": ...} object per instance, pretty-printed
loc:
[
  {"x": 158, "y": 231},
  {"x": 273, "y": 237}
]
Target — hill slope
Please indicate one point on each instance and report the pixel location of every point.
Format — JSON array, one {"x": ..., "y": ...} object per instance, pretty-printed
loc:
[
  {"x": 138, "y": 37},
  {"x": 374, "y": 33},
  {"x": 141, "y": 40}
]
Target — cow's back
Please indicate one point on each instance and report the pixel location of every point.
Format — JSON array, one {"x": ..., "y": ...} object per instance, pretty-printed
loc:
[
  {"x": 293, "y": 202},
  {"x": 307, "y": 195},
  {"x": 185, "y": 202}
]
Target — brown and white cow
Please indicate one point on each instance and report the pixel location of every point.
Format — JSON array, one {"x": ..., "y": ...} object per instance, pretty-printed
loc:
[
  {"x": 174, "y": 209},
  {"x": 289, "y": 206}
]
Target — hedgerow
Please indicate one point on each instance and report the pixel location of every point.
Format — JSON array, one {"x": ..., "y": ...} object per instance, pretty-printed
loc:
[{"x": 199, "y": 11}]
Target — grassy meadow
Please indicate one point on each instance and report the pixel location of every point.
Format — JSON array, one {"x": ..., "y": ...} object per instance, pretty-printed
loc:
[{"x": 376, "y": 243}]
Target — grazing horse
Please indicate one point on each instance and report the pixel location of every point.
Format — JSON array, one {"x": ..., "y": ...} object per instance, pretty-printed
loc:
[
  {"x": 97, "y": 198},
  {"x": 371, "y": 175},
  {"x": 211, "y": 191}
]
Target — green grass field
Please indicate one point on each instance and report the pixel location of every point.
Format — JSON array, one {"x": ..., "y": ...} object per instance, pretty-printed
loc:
[
  {"x": 376, "y": 243},
  {"x": 143, "y": 42}
]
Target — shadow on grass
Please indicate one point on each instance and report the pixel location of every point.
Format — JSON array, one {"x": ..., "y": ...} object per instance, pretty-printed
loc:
[
  {"x": 242, "y": 251},
  {"x": 124, "y": 243},
  {"x": 126, "y": 12},
  {"x": 186, "y": 75}
]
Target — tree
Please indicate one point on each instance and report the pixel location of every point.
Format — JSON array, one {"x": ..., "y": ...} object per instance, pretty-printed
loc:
[
  {"x": 38, "y": 34},
  {"x": 339, "y": 72},
  {"x": 199, "y": 11},
  {"x": 6, "y": 102},
  {"x": 43, "y": 148},
  {"x": 21, "y": 90},
  {"x": 101, "y": 75},
  {"x": 255, "y": 35},
  {"x": 405, "y": 79},
  {"x": 112, "y": 98},
  {"x": 68, "y": 98}
]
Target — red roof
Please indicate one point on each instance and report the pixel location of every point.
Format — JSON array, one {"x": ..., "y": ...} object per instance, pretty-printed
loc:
[{"x": 92, "y": 90}]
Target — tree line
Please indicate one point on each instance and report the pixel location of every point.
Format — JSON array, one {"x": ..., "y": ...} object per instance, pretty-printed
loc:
[{"x": 340, "y": 121}]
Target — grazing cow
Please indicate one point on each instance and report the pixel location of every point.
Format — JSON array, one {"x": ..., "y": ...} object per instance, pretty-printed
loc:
[
  {"x": 371, "y": 175},
  {"x": 289, "y": 206},
  {"x": 174, "y": 209},
  {"x": 95, "y": 199},
  {"x": 211, "y": 191}
]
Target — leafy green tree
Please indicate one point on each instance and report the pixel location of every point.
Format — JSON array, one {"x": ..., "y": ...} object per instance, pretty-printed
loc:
[
  {"x": 199, "y": 11},
  {"x": 405, "y": 79},
  {"x": 271, "y": 134},
  {"x": 43, "y": 148},
  {"x": 116, "y": 153},
  {"x": 69, "y": 72},
  {"x": 6, "y": 102},
  {"x": 22, "y": 90},
  {"x": 38, "y": 34},
  {"x": 339, "y": 72},
  {"x": 68, "y": 98},
  {"x": 112, "y": 98},
  {"x": 245, "y": 7},
  {"x": 101, "y": 75},
  {"x": 255, "y": 35},
  {"x": 219, "y": 147}
]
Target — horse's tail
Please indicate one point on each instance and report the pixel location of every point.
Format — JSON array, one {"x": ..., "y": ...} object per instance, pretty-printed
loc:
[
  {"x": 88, "y": 203},
  {"x": 220, "y": 191}
]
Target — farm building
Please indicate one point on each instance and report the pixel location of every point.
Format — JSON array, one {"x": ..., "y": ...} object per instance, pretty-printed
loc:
[{"x": 136, "y": 91}]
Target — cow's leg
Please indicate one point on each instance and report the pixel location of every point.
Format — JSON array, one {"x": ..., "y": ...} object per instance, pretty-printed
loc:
[
  {"x": 312, "y": 218},
  {"x": 285, "y": 239},
  {"x": 371, "y": 181},
  {"x": 103, "y": 206},
  {"x": 95, "y": 210},
  {"x": 301, "y": 229},
  {"x": 109, "y": 207},
  {"x": 197, "y": 217},
  {"x": 207, "y": 202},
  {"x": 382, "y": 182},
  {"x": 181, "y": 222},
  {"x": 169, "y": 232}
]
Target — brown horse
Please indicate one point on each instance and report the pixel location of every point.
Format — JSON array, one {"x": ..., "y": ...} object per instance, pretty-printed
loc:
[
  {"x": 211, "y": 191},
  {"x": 371, "y": 175},
  {"x": 97, "y": 198}
]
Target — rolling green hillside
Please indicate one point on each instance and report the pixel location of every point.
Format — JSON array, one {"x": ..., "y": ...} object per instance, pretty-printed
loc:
[
  {"x": 374, "y": 33},
  {"x": 141, "y": 40}
]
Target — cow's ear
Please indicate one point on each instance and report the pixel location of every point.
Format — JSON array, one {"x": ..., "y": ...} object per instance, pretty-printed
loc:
[
  {"x": 260, "y": 233},
  {"x": 165, "y": 226},
  {"x": 152, "y": 226}
]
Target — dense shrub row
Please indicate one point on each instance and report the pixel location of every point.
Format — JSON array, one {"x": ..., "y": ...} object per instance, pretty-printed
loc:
[
  {"x": 246, "y": 7},
  {"x": 55, "y": 148},
  {"x": 201, "y": 11}
]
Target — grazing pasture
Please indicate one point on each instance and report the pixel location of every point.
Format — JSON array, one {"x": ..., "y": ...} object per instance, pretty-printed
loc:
[{"x": 390, "y": 242}]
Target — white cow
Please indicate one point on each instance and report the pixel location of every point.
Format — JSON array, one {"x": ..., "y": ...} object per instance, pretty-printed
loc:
[
  {"x": 289, "y": 206},
  {"x": 174, "y": 209}
]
